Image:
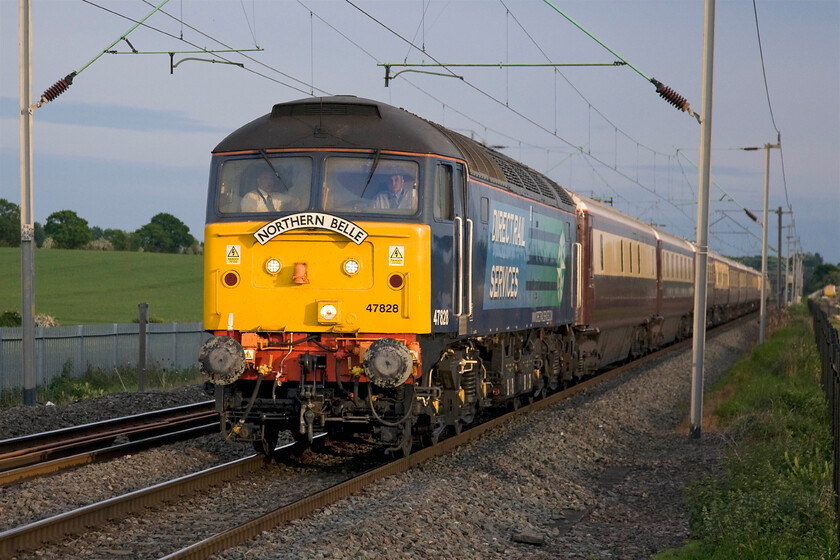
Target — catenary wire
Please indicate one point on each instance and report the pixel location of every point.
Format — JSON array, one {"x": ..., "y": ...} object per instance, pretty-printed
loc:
[
  {"x": 152, "y": 28},
  {"x": 517, "y": 112}
]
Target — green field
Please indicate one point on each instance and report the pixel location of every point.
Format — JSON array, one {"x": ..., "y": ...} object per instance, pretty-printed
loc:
[{"x": 82, "y": 287}]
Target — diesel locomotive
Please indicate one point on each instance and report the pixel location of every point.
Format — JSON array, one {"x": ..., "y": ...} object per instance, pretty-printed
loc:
[{"x": 369, "y": 271}]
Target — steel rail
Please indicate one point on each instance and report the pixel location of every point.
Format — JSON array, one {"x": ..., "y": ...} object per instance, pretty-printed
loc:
[
  {"x": 35, "y": 470},
  {"x": 29, "y": 441},
  {"x": 35, "y": 535},
  {"x": 46, "y": 452},
  {"x": 43, "y": 453},
  {"x": 238, "y": 535}
]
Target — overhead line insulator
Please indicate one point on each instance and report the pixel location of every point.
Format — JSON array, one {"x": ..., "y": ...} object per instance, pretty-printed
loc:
[
  {"x": 674, "y": 98},
  {"x": 58, "y": 88}
]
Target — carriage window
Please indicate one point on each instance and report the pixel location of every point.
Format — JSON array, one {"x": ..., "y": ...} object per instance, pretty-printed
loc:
[
  {"x": 602, "y": 252},
  {"x": 443, "y": 193},
  {"x": 280, "y": 184},
  {"x": 622, "y": 255},
  {"x": 485, "y": 210},
  {"x": 638, "y": 259},
  {"x": 370, "y": 185}
]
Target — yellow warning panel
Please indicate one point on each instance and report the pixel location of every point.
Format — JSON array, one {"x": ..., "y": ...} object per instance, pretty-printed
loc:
[
  {"x": 396, "y": 255},
  {"x": 233, "y": 254}
]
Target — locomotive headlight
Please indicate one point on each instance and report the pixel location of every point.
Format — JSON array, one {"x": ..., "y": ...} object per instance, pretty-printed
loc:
[
  {"x": 272, "y": 266},
  {"x": 327, "y": 313},
  {"x": 351, "y": 267}
]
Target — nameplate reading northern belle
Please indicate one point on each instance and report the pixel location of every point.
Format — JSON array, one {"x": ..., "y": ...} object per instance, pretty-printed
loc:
[{"x": 310, "y": 220}]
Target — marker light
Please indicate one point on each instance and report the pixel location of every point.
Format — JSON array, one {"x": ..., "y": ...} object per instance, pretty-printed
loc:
[
  {"x": 395, "y": 281},
  {"x": 328, "y": 312},
  {"x": 272, "y": 266},
  {"x": 351, "y": 267},
  {"x": 230, "y": 279}
]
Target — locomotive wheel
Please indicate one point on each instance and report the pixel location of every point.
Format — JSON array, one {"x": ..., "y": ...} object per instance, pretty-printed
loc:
[
  {"x": 265, "y": 445},
  {"x": 541, "y": 391},
  {"x": 468, "y": 414},
  {"x": 429, "y": 435},
  {"x": 406, "y": 445},
  {"x": 458, "y": 427}
]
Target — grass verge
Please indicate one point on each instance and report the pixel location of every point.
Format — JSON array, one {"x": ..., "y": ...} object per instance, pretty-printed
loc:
[
  {"x": 771, "y": 497},
  {"x": 89, "y": 287},
  {"x": 95, "y": 383}
]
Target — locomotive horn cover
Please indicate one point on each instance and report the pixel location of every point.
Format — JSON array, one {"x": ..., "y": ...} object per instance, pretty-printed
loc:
[
  {"x": 221, "y": 360},
  {"x": 388, "y": 362}
]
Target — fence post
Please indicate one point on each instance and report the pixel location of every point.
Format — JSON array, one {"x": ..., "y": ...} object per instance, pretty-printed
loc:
[
  {"x": 143, "y": 316},
  {"x": 175, "y": 346},
  {"x": 115, "y": 357},
  {"x": 80, "y": 368},
  {"x": 41, "y": 365}
]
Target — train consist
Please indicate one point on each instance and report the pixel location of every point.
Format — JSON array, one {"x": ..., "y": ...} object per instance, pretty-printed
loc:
[{"x": 368, "y": 271}]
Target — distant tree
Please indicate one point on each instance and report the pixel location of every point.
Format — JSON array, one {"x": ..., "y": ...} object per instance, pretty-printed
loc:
[
  {"x": 67, "y": 229},
  {"x": 165, "y": 234},
  {"x": 118, "y": 238},
  {"x": 823, "y": 275},
  {"x": 810, "y": 263},
  {"x": 134, "y": 242},
  {"x": 152, "y": 237},
  {"x": 9, "y": 224},
  {"x": 95, "y": 233},
  {"x": 40, "y": 234}
]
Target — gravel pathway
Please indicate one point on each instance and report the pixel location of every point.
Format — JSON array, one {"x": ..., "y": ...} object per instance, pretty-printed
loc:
[{"x": 599, "y": 476}]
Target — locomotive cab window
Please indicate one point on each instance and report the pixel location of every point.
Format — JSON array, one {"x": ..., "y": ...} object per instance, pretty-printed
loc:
[
  {"x": 443, "y": 193},
  {"x": 370, "y": 185},
  {"x": 276, "y": 184}
]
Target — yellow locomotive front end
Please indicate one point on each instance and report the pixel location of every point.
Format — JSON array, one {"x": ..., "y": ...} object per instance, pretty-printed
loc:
[
  {"x": 316, "y": 288},
  {"x": 313, "y": 279}
]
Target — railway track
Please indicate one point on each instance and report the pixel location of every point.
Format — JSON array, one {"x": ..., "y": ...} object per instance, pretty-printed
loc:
[
  {"x": 26, "y": 457},
  {"x": 35, "y": 535}
]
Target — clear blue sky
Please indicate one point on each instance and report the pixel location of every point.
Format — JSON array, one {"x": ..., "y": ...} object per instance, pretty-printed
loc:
[{"x": 129, "y": 139}]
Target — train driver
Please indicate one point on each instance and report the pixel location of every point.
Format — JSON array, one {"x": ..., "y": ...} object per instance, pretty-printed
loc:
[
  {"x": 398, "y": 195},
  {"x": 265, "y": 197}
]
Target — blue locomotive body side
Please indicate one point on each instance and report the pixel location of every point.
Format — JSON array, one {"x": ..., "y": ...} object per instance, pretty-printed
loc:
[
  {"x": 520, "y": 273},
  {"x": 522, "y": 268}
]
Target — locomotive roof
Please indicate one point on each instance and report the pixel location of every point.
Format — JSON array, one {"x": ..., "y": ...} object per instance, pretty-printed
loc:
[{"x": 353, "y": 122}]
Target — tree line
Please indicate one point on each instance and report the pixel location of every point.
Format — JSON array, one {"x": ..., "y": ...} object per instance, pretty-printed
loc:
[{"x": 67, "y": 230}]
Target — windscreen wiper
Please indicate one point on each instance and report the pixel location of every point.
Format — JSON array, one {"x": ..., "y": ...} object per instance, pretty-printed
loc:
[
  {"x": 276, "y": 173},
  {"x": 372, "y": 169}
]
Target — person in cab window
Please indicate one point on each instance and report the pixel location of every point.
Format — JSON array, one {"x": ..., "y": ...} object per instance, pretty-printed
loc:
[
  {"x": 265, "y": 197},
  {"x": 398, "y": 195}
]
